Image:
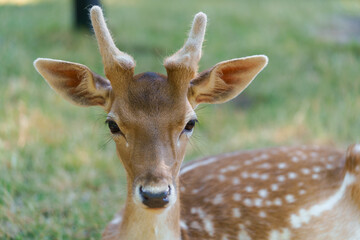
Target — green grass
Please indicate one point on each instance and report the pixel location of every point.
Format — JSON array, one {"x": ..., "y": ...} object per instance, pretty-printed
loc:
[{"x": 60, "y": 177}]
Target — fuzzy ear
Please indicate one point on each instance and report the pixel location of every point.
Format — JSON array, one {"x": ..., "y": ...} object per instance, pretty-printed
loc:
[
  {"x": 225, "y": 80},
  {"x": 75, "y": 82}
]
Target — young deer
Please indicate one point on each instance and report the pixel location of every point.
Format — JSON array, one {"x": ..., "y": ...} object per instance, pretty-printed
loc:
[{"x": 277, "y": 193}]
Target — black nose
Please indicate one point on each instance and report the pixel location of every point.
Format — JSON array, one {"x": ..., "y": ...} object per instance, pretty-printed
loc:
[{"x": 155, "y": 200}]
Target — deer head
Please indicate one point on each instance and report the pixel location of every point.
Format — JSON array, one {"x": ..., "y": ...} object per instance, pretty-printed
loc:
[{"x": 150, "y": 116}]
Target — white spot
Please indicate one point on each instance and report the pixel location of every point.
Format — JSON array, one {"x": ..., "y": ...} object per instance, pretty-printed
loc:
[
  {"x": 304, "y": 215},
  {"x": 302, "y": 192},
  {"x": 295, "y": 159},
  {"x": 206, "y": 220},
  {"x": 290, "y": 198},
  {"x": 263, "y": 193},
  {"x": 258, "y": 202},
  {"x": 262, "y": 214},
  {"x": 299, "y": 152},
  {"x": 235, "y": 181},
  {"x": 292, "y": 175},
  {"x": 314, "y": 154},
  {"x": 329, "y": 166},
  {"x": 265, "y": 165},
  {"x": 218, "y": 199},
  {"x": 316, "y": 169},
  {"x": 195, "y": 225},
  {"x": 305, "y": 171},
  {"x": 255, "y": 175},
  {"x": 208, "y": 177},
  {"x": 249, "y": 189},
  {"x": 285, "y": 234},
  {"x": 268, "y": 203},
  {"x": 116, "y": 220},
  {"x": 223, "y": 170},
  {"x": 127, "y": 144},
  {"x": 224, "y": 237},
  {"x": 315, "y": 176},
  {"x": 274, "y": 187},
  {"x": 182, "y": 189},
  {"x": 247, "y": 162},
  {"x": 237, "y": 197},
  {"x": 248, "y": 202},
  {"x": 277, "y": 202},
  {"x": 264, "y": 156},
  {"x": 195, "y": 191},
  {"x": 264, "y": 176},
  {"x": 243, "y": 235},
  {"x": 281, "y": 178},
  {"x": 356, "y": 149},
  {"x": 232, "y": 168},
  {"x": 236, "y": 213},
  {"x": 300, "y": 184},
  {"x": 209, "y": 226},
  {"x": 183, "y": 225},
  {"x": 282, "y": 165},
  {"x": 200, "y": 212},
  {"x": 193, "y": 210},
  {"x": 244, "y": 174},
  {"x": 221, "y": 178}
]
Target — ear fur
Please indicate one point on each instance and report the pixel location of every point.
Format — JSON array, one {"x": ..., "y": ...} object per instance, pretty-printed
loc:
[
  {"x": 75, "y": 82},
  {"x": 225, "y": 80}
]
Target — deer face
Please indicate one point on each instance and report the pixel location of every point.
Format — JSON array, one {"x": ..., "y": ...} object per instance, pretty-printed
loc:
[
  {"x": 150, "y": 124},
  {"x": 150, "y": 116}
]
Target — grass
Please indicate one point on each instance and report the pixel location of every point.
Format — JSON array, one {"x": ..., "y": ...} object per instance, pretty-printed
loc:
[{"x": 60, "y": 177}]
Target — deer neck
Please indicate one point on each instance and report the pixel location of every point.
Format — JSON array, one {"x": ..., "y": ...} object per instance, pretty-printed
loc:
[{"x": 140, "y": 223}]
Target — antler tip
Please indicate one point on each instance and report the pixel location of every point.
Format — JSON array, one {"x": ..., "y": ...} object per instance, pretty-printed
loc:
[
  {"x": 201, "y": 16},
  {"x": 199, "y": 24},
  {"x": 95, "y": 11},
  {"x": 200, "y": 19}
]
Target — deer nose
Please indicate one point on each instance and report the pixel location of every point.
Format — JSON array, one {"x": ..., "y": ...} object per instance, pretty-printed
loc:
[{"x": 155, "y": 199}]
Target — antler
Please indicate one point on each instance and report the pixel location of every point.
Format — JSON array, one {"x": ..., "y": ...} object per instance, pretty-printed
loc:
[
  {"x": 189, "y": 55},
  {"x": 116, "y": 63}
]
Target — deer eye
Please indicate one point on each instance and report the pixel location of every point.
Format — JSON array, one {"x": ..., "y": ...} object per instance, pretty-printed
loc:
[
  {"x": 114, "y": 128},
  {"x": 190, "y": 125}
]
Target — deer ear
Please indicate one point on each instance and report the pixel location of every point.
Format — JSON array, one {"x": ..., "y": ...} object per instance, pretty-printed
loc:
[
  {"x": 225, "y": 80},
  {"x": 75, "y": 82}
]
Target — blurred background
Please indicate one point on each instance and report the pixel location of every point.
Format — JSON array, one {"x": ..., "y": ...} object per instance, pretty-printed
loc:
[{"x": 59, "y": 174}]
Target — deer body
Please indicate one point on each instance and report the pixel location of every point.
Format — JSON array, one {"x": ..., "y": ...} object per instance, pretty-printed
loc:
[
  {"x": 274, "y": 194},
  {"x": 279, "y": 193}
]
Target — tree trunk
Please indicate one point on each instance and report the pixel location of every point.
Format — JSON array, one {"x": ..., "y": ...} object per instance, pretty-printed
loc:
[{"x": 81, "y": 11}]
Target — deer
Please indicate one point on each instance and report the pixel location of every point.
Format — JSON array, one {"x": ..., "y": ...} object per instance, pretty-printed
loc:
[{"x": 300, "y": 192}]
